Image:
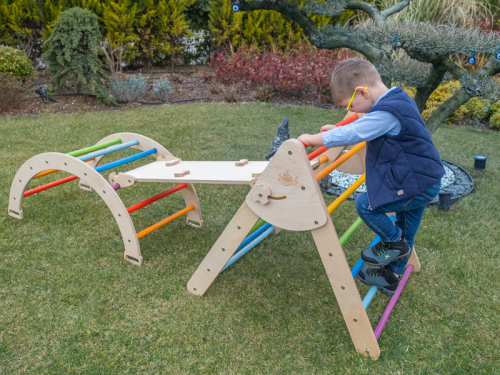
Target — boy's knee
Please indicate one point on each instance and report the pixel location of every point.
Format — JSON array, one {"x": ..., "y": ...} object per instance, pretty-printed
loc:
[{"x": 362, "y": 203}]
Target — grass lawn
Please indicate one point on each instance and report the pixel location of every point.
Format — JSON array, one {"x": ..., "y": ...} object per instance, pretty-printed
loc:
[{"x": 69, "y": 303}]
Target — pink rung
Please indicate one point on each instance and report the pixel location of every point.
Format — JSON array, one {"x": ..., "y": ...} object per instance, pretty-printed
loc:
[{"x": 388, "y": 310}]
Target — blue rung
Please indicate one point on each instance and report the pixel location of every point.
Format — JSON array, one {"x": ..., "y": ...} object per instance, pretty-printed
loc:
[
  {"x": 108, "y": 150},
  {"x": 126, "y": 160},
  {"x": 254, "y": 235},
  {"x": 369, "y": 296},
  {"x": 248, "y": 247}
]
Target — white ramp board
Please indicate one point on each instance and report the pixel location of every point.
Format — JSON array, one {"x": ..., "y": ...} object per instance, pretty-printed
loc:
[{"x": 207, "y": 172}]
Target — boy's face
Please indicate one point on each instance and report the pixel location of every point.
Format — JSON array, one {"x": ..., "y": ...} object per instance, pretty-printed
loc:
[{"x": 361, "y": 103}]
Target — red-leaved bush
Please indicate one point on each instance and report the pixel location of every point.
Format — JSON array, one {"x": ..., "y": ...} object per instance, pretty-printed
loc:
[{"x": 303, "y": 68}]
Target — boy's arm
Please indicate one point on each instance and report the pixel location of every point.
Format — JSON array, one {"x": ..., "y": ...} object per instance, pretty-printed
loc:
[
  {"x": 371, "y": 126},
  {"x": 317, "y": 139}
]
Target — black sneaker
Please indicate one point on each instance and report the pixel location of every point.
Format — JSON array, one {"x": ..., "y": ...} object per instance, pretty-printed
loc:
[
  {"x": 383, "y": 278},
  {"x": 385, "y": 253}
]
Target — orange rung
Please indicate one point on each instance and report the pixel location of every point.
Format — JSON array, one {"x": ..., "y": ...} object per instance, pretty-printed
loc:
[
  {"x": 159, "y": 224},
  {"x": 339, "y": 161},
  {"x": 50, "y": 171}
]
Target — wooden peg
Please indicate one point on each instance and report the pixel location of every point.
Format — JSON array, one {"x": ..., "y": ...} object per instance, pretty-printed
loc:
[
  {"x": 172, "y": 162},
  {"x": 241, "y": 163},
  {"x": 181, "y": 174}
]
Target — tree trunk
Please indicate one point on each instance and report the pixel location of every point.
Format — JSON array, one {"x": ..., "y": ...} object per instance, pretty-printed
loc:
[{"x": 446, "y": 109}]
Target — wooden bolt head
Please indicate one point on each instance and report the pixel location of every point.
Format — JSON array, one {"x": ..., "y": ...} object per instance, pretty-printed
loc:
[{"x": 261, "y": 193}]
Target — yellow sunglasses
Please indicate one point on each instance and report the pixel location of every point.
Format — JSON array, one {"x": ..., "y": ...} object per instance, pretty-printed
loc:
[{"x": 352, "y": 98}]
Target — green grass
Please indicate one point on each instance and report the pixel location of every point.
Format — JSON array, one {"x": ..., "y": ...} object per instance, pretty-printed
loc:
[{"x": 69, "y": 303}]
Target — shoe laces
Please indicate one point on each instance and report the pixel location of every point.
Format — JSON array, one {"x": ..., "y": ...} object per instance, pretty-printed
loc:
[
  {"x": 379, "y": 248},
  {"x": 375, "y": 271}
]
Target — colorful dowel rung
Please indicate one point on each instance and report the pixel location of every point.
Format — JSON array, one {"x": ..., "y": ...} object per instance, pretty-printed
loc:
[
  {"x": 369, "y": 296},
  {"x": 94, "y": 148},
  {"x": 50, "y": 185},
  {"x": 126, "y": 160},
  {"x": 248, "y": 247},
  {"x": 159, "y": 224},
  {"x": 342, "y": 197},
  {"x": 98, "y": 169},
  {"x": 80, "y": 152},
  {"x": 253, "y": 235},
  {"x": 325, "y": 172},
  {"x": 146, "y": 202},
  {"x": 317, "y": 152},
  {"x": 392, "y": 302},
  {"x": 349, "y": 232},
  {"x": 108, "y": 150}
]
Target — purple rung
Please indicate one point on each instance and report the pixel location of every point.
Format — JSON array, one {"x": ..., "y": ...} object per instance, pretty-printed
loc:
[
  {"x": 392, "y": 302},
  {"x": 116, "y": 186}
]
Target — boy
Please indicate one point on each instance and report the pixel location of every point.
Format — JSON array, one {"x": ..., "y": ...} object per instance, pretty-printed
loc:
[{"x": 403, "y": 167}]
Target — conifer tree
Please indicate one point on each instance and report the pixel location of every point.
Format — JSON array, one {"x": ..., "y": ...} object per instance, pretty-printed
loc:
[
  {"x": 269, "y": 28},
  {"x": 72, "y": 52},
  {"x": 51, "y": 10},
  {"x": 5, "y": 32},
  {"x": 145, "y": 29},
  {"x": 119, "y": 18},
  {"x": 225, "y": 26},
  {"x": 25, "y": 24},
  {"x": 95, "y": 6},
  {"x": 172, "y": 26}
]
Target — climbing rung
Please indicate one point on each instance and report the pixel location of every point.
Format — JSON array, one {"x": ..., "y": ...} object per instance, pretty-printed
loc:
[
  {"x": 108, "y": 150},
  {"x": 98, "y": 169},
  {"x": 392, "y": 302},
  {"x": 159, "y": 224},
  {"x": 80, "y": 152},
  {"x": 146, "y": 202}
]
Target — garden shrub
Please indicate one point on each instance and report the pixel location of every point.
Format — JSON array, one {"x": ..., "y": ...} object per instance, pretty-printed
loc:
[
  {"x": 495, "y": 121},
  {"x": 15, "y": 62},
  {"x": 301, "y": 69},
  {"x": 131, "y": 91},
  {"x": 72, "y": 52},
  {"x": 161, "y": 89},
  {"x": 12, "y": 91}
]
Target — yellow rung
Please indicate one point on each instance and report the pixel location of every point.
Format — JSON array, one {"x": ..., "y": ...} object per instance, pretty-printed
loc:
[{"x": 342, "y": 197}]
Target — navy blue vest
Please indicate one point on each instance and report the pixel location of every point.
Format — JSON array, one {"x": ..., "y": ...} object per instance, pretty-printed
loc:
[{"x": 402, "y": 166}]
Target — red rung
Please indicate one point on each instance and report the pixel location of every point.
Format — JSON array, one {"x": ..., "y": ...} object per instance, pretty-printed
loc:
[
  {"x": 322, "y": 149},
  {"x": 317, "y": 152},
  {"x": 142, "y": 204},
  {"x": 48, "y": 186}
]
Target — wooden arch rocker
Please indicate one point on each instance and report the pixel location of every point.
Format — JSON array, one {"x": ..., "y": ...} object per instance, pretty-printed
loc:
[{"x": 90, "y": 179}]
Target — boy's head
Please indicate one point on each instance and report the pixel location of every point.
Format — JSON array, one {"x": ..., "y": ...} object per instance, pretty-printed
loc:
[{"x": 355, "y": 75}]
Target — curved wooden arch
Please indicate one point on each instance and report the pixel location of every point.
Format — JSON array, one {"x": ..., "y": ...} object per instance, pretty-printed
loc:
[
  {"x": 193, "y": 218},
  {"x": 66, "y": 163}
]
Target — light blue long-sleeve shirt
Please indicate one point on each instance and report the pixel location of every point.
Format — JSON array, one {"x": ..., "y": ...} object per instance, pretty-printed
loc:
[{"x": 370, "y": 126}]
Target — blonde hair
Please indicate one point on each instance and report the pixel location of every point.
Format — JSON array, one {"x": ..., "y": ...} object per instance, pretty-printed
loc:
[{"x": 349, "y": 74}]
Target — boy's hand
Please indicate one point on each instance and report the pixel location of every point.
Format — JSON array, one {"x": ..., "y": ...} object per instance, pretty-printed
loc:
[{"x": 311, "y": 140}]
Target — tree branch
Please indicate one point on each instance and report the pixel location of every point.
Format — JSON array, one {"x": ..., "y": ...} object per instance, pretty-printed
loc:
[
  {"x": 369, "y": 9},
  {"x": 395, "y": 8}
]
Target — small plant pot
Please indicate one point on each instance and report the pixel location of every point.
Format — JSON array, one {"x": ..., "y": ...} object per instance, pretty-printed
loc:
[
  {"x": 444, "y": 199},
  {"x": 480, "y": 162}
]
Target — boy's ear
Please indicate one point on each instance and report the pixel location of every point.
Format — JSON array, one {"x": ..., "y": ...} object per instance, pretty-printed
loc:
[{"x": 363, "y": 92}]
